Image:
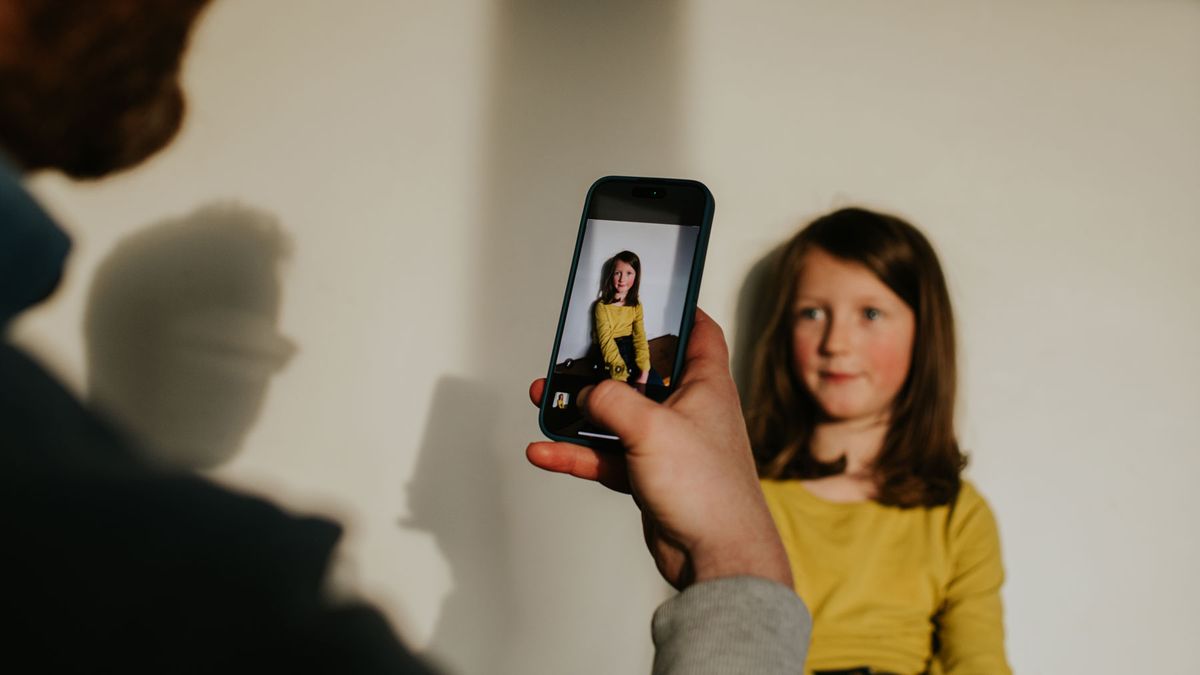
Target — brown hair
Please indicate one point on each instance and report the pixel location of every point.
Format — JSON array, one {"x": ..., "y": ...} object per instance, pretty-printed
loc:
[
  {"x": 91, "y": 87},
  {"x": 608, "y": 290},
  {"x": 920, "y": 461}
]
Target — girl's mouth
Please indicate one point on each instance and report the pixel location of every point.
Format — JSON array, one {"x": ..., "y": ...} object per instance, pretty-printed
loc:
[{"x": 836, "y": 377}]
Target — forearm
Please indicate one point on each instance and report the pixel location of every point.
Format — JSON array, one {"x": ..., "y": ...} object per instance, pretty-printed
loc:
[
  {"x": 971, "y": 634},
  {"x": 614, "y": 361},
  {"x": 729, "y": 626},
  {"x": 641, "y": 346},
  {"x": 971, "y": 622}
]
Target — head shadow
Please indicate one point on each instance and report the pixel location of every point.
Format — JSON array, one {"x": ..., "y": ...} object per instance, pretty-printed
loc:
[
  {"x": 756, "y": 298},
  {"x": 455, "y": 494},
  {"x": 181, "y": 332}
]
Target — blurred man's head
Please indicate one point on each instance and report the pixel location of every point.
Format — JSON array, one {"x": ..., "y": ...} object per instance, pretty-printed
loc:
[{"x": 91, "y": 87}]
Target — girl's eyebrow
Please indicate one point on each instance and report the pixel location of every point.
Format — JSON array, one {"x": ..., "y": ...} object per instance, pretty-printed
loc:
[
  {"x": 868, "y": 299},
  {"x": 806, "y": 298}
]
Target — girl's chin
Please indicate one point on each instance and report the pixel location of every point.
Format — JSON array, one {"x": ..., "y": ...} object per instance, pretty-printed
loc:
[{"x": 844, "y": 411}]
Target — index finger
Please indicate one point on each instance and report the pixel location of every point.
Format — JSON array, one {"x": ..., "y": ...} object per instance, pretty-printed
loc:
[{"x": 537, "y": 389}]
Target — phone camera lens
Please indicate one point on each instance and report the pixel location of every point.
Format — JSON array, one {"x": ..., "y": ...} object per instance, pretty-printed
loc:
[{"x": 649, "y": 193}]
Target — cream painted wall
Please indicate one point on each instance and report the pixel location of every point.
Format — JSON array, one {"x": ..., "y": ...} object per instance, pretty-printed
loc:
[
  {"x": 1052, "y": 152},
  {"x": 428, "y": 161}
]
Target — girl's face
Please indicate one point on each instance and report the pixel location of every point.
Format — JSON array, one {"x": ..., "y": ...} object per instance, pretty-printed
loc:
[
  {"x": 623, "y": 278},
  {"x": 852, "y": 338}
]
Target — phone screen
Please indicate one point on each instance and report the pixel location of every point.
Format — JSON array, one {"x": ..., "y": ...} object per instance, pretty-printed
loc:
[{"x": 630, "y": 296}]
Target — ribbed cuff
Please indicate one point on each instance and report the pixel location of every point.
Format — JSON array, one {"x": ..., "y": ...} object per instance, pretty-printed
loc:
[{"x": 732, "y": 626}]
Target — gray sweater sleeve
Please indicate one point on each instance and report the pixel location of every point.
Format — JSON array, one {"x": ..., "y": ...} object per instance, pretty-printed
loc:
[{"x": 732, "y": 626}]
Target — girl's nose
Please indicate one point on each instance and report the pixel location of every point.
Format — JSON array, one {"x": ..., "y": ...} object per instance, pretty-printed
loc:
[{"x": 837, "y": 337}]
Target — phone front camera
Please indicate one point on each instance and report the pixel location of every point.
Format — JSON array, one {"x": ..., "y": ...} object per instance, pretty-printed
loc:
[{"x": 649, "y": 193}]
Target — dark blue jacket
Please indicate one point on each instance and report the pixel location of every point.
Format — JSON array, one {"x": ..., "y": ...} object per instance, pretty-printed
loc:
[{"x": 110, "y": 565}]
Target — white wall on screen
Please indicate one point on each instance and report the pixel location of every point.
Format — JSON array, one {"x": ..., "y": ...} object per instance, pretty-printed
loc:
[{"x": 666, "y": 254}]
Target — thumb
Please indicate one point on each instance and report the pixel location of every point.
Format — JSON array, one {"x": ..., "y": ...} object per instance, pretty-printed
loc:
[{"x": 619, "y": 408}]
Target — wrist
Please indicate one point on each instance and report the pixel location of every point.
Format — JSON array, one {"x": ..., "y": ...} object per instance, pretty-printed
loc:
[{"x": 758, "y": 558}]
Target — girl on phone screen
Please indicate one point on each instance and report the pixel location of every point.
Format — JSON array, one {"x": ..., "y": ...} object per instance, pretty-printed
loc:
[
  {"x": 851, "y": 415},
  {"x": 619, "y": 321}
]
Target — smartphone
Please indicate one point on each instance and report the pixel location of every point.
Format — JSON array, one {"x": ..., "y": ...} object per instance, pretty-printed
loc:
[{"x": 630, "y": 299}]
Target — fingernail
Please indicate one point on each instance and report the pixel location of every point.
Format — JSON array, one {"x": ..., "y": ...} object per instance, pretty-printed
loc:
[{"x": 583, "y": 394}]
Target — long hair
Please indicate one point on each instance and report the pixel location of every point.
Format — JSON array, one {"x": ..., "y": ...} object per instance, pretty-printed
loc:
[
  {"x": 920, "y": 462},
  {"x": 608, "y": 290}
]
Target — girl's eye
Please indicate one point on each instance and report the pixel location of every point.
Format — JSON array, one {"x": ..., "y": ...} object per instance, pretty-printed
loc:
[
  {"x": 811, "y": 313},
  {"x": 871, "y": 313}
]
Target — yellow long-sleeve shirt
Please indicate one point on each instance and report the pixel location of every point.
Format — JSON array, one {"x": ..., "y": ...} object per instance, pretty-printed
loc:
[
  {"x": 881, "y": 581},
  {"x": 614, "y": 321}
]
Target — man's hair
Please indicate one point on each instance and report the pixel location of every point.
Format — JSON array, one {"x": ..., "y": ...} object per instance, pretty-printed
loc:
[
  {"x": 91, "y": 87},
  {"x": 920, "y": 461},
  {"x": 608, "y": 290}
]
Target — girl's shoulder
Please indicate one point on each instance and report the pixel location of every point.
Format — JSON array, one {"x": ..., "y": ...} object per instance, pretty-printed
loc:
[
  {"x": 967, "y": 524},
  {"x": 796, "y": 495},
  {"x": 970, "y": 516},
  {"x": 968, "y": 493},
  {"x": 968, "y": 505},
  {"x": 969, "y": 498},
  {"x": 614, "y": 307}
]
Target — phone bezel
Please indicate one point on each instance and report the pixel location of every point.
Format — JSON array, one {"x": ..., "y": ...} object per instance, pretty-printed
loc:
[{"x": 690, "y": 298}]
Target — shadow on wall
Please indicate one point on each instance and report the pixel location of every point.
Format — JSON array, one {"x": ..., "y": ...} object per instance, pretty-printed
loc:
[
  {"x": 756, "y": 297},
  {"x": 578, "y": 90},
  {"x": 455, "y": 496},
  {"x": 181, "y": 332}
]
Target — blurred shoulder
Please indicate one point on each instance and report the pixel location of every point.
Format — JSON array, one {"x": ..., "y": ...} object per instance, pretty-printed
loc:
[
  {"x": 969, "y": 495},
  {"x": 971, "y": 516},
  {"x": 970, "y": 498},
  {"x": 773, "y": 487}
]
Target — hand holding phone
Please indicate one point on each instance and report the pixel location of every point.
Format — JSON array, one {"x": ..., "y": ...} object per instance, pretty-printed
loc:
[
  {"x": 630, "y": 298},
  {"x": 688, "y": 464}
]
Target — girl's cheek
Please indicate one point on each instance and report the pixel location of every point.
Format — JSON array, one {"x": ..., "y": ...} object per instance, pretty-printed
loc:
[
  {"x": 891, "y": 359},
  {"x": 804, "y": 354}
]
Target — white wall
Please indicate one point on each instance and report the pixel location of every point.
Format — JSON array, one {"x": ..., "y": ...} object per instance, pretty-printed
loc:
[
  {"x": 1051, "y": 150},
  {"x": 666, "y": 253}
]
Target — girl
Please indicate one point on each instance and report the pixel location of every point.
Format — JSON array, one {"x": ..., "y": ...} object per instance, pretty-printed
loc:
[
  {"x": 851, "y": 415},
  {"x": 620, "y": 328}
]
